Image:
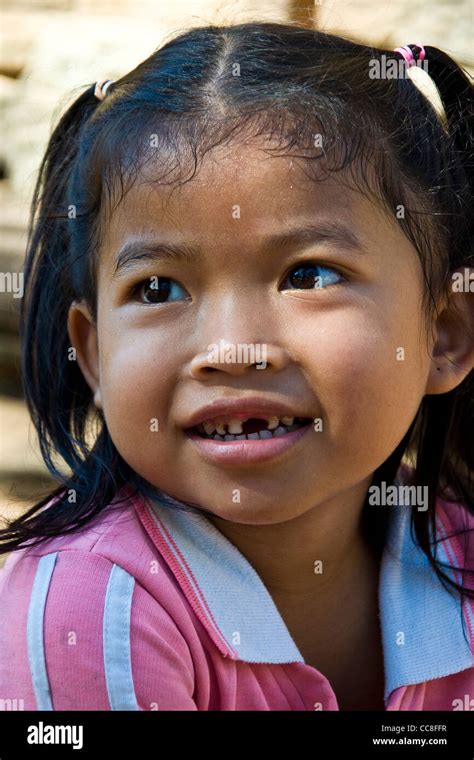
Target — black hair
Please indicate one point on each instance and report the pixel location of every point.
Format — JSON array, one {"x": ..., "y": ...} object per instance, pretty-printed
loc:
[{"x": 294, "y": 83}]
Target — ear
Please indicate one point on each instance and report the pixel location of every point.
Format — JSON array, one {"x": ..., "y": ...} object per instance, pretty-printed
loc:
[
  {"x": 452, "y": 355},
  {"x": 83, "y": 335}
]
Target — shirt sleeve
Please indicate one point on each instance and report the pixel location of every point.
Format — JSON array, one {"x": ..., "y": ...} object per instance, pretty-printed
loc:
[
  {"x": 95, "y": 639},
  {"x": 161, "y": 660}
]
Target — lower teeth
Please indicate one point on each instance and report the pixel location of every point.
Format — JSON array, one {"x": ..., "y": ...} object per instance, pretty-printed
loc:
[{"x": 261, "y": 435}]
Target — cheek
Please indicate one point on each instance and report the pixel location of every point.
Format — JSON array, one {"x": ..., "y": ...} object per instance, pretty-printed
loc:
[
  {"x": 135, "y": 381},
  {"x": 367, "y": 371}
]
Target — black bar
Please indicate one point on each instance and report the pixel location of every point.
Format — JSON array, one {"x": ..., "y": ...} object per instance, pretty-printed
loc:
[{"x": 162, "y": 734}]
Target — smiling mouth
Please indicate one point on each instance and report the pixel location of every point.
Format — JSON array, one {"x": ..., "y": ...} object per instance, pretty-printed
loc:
[{"x": 253, "y": 429}]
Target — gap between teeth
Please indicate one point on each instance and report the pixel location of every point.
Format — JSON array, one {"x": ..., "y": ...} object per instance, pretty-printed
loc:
[{"x": 234, "y": 427}]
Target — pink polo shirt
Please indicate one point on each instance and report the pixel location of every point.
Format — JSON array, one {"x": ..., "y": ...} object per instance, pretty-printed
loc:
[{"x": 150, "y": 607}]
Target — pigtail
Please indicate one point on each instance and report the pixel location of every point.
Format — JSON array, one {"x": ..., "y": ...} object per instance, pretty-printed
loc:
[
  {"x": 456, "y": 94},
  {"x": 457, "y": 97},
  {"x": 55, "y": 391},
  {"x": 444, "y": 430},
  {"x": 42, "y": 318}
]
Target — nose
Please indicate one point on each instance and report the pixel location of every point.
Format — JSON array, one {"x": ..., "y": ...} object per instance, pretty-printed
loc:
[{"x": 238, "y": 358}]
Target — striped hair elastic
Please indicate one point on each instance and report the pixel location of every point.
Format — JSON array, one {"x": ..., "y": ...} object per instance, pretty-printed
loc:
[
  {"x": 408, "y": 54},
  {"x": 101, "y": 87}
]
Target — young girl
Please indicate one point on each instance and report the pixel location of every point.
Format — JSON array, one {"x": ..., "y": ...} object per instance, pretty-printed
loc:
[{"x": 247, "y": 331}]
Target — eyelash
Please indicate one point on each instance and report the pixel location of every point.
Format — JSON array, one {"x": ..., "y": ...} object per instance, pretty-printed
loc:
[{"x": 134, "y": 290}]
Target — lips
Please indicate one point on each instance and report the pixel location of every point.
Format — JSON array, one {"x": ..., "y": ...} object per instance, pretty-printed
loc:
[{"x": 248, "y": 451}]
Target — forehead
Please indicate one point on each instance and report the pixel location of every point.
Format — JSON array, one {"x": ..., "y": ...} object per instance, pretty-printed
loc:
[{"x": 237, "y": 195}]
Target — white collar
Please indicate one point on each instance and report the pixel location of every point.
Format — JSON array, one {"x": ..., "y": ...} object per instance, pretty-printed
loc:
[{"x": 421, "y": 624}]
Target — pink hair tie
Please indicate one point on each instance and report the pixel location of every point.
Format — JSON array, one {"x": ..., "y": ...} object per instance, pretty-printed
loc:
[
  {"x": 422, "y": 53},
  {"x": 101, "y": 86},
  {"x": 407, "y": 54}
]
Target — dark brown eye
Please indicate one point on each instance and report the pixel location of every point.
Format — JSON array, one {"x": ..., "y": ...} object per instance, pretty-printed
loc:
[
  {"x": 311, "y": 276},
  {"x": 160, "y": 290}
]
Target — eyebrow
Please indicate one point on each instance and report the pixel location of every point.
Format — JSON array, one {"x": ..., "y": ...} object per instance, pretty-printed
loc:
[{"x": 136, "y": 251}]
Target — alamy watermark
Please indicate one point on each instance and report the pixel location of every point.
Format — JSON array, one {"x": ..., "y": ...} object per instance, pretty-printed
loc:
[
  {"x": 12, "y": 282},
  {"x": 388, "y": 67},
  {"x": 463, "y": 282},
  {"x": 47, "y": 734},
  {"x": 237, "y": 353},
  {"x": 11, "y": 704},
  {"x": 400, "y": 495}
]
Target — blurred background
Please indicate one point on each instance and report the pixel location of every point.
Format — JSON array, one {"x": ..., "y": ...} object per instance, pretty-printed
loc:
[{"x": 50, "y": 48}]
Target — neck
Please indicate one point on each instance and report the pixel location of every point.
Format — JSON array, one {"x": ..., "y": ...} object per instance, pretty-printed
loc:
[
  {"x": 323, "y": 548},
  {"x": 323, "y": 577}
]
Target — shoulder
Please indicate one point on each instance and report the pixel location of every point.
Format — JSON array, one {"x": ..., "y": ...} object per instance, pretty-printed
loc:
[
  {"x": 91, "y": 622},
  {"x": 115, "y": 536},
  {"x": 454, "y": 522},
  {"x": 451, "y": 528},
  {"x": 455, "y": 535}
]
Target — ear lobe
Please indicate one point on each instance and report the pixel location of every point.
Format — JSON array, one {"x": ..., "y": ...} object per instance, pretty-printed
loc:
[
  {"x": 98, "y": 399},
  {"x": 453, "y": 350},
  {"x": 83, "y": 335}
]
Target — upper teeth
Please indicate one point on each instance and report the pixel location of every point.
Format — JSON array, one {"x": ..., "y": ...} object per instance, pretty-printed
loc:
[{"x": 234, "y": 426}]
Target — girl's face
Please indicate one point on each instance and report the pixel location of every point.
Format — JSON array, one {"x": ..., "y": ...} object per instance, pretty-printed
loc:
[{"x": 351, "y": 352}]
